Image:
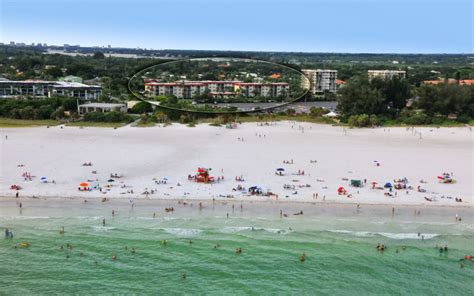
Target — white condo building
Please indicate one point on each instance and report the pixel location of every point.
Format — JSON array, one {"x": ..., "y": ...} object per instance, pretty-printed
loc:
[
  {"x": 189, "y": 89},
  {"x": 320, "y": 80},
  {"x": 41, "y": 88},
  {"x": 386, "y": 74}
]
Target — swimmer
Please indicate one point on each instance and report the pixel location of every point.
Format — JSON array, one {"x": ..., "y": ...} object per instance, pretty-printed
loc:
[
  {"x": 238, "y": 251},
  {"x": 114, "y": 257},
  {"x": 190, "y": 242},
  {"x": 303, "y": 257},
  {"x": 62, "y": 230},
  {"x": 103, "y": 222},
  {"x": 183, "y": 275},
  {"x": 217, "y": 246}
]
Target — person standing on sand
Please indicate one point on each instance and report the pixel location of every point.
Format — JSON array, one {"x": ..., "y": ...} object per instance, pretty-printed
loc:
[
  {"x": 103, "y": 222},
  {"x": 393, "y": 212}
]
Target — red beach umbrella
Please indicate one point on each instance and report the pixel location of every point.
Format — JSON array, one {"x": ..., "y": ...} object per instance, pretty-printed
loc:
[{"x": 84, "y": 184}]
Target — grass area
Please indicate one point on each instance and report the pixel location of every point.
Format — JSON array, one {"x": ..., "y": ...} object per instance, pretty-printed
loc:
[
  {"x": 446, "y": 123},
  {"x": 146, "y": 124},
  {"x": 8, "y": 122},
  {"x": 256, "y": 118},
  {"x": 97, "y": 124}
]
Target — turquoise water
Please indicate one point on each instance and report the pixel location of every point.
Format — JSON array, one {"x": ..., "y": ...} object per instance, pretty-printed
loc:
[{"x": 341, "y": 258}]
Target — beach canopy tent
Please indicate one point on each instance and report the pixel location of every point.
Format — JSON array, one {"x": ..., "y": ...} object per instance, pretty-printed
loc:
[
  {"x": 388, "y": 185},
  {"x": 331, "y": 114},
  {"x": 356, "y": 183}
]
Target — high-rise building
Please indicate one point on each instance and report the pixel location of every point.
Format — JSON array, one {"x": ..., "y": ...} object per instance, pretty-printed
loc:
[{"x": 320, "y": 80}]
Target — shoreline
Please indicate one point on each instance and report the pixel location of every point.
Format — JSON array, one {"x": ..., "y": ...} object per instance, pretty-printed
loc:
[{"x": 234, "y": 200}]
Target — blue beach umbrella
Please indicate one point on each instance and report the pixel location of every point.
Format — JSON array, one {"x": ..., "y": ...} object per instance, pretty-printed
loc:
[
  {"x": 280, "y": 169},
  {"x": 388, "y": 185}
]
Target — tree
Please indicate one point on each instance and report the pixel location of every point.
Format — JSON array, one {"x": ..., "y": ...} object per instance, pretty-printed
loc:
[
  {"x": 359, "y": 97},
  {"x": 446, "y": 99},
  {"x": 98, "y": 55},
  {"x": 142, "y": 107},
  {"x": 396, "y": 92},
  {"x": 54, "y": 72}
]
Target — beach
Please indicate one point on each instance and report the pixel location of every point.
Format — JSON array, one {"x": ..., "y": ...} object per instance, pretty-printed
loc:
[{"x": 314, "y": 161}]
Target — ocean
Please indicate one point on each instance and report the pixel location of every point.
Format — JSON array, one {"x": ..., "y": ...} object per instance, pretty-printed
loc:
[{"x": 193, "y": 251}]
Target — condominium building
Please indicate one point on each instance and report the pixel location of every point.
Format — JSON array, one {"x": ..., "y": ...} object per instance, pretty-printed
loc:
[
  {"x": 320, "y": 80},
  {"x": 189, "y": 89},
  {"x": 41, "y": 89},
  {"x": 386, "y": 74}
]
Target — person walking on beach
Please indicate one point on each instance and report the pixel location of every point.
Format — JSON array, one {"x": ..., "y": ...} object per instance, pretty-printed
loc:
[
  {"x": 393, "y": 212},
  {"x": 21, "y": 205},
  {"x": 103, "y": 222},
  {"x": 113, "y": 212}
]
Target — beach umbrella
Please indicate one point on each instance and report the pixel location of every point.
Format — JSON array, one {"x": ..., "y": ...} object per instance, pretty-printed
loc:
[
  {"x": 43, "y": 178},
  {"x": 441, "y": 178},
  {"x": 84, "y": 184},
  {"x": 373, "y": 182},
  {"x": 340, "y": 189},
  {"x": 165, "y": 179},
  {"x": 200, "y": 170},
  {"x": 110, "y": 180},
  {"x": 280, "y": 169},
  {"x": 388, "y": 185}
]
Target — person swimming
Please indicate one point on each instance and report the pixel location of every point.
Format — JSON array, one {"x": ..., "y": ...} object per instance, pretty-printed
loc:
[
  {"x": 238, "y": 251},
  {"x": 303, "y": 257}
]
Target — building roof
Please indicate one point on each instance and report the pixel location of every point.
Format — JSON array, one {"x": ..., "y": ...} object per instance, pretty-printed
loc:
[
  {"x": 207, "y": 82},
  {"x": 64, "y": 84},
  {"x": 55, "y": 84},
  {"x": 466, "y": 82},
  {"x": 450, "y": 81}
]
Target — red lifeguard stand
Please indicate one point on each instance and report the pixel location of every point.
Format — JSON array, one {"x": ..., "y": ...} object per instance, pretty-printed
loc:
[{"x": 203, "y": 176}]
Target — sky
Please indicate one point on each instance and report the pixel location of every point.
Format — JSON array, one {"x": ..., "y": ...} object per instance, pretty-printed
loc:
[{"x": 356, "y": 26}]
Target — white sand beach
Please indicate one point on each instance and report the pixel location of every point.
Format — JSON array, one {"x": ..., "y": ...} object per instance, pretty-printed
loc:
[{"x": 329, "y": 156}]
